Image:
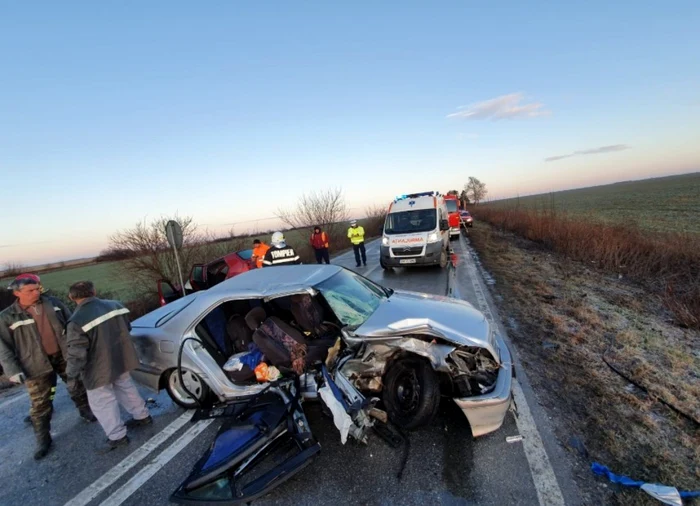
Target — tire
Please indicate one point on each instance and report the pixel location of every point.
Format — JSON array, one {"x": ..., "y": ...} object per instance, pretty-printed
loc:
[
  {"x": 411, "y": 393},
  {"x": 194, "y": 384},
  {"x": 443, "y": 259},
  {"x": 384, "y": 266}
]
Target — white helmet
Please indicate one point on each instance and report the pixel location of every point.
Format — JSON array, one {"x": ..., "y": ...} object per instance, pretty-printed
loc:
[{"x": 278, "y": 240}]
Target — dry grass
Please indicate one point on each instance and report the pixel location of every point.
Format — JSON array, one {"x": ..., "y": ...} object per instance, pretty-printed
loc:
[
  {"x": 579, "y": 311},
  {"x": 667, "y": 264}
]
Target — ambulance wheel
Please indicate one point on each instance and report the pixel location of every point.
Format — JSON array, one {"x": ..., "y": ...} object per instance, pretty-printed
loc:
[
  {"x": 383, "y": 265},
  {"x": 443, "y": 259}
]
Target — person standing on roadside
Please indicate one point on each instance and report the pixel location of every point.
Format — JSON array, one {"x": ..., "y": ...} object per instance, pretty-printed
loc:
[
  {"x": 32, "y": 351},
  {"x": 280, "y": 253},
  {"x": 100, "y": 352},
  {"x": 259, "y": 250},
  {"x": 319, "y": 242},
  {"x": 356, "y": 234}
]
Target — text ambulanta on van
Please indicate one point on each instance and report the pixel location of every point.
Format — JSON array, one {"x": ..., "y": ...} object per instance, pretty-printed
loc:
[{"x": 416, "y": 231}]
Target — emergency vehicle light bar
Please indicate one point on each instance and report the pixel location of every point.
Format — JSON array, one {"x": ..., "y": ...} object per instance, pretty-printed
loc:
[{"x": 416, "y": 195}]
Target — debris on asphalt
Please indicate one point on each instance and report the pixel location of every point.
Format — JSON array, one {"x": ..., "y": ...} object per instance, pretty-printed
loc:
[{"x": 514, "y": 439}]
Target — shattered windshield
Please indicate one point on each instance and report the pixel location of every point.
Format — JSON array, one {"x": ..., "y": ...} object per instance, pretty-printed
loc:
[{"x": 352, "y": 298}]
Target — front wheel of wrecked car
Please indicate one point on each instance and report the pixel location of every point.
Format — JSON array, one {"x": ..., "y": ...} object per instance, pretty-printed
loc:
[{"x": 411, "y": 393}]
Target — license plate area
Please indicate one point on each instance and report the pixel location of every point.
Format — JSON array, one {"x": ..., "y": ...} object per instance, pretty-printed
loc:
[{"x": 407, "y": 261}]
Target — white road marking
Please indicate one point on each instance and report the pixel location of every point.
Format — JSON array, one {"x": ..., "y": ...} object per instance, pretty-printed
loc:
[
  {"x": 148, "y": 471},
  {"x": 546, "y": 485},
  {"x": 14, "y": 399},
  {"x": 129, "y": 462}
]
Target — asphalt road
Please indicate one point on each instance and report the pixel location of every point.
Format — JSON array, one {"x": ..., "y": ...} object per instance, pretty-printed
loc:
[{"x": 445, "y": 465}]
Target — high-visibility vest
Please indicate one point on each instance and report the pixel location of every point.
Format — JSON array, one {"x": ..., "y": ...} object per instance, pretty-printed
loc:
[{"x": 356, "y": 234}]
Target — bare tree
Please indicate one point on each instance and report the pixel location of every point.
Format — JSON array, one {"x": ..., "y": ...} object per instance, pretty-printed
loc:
[
  {"x": 325, "y": 208},
  {"x": 376, "y": 216},
  {"x": 475, "y": 189},
  {"x": 13, "y": 269},
  {"x": 464, "y": 198},
  {"x": 152, "y": 258}
]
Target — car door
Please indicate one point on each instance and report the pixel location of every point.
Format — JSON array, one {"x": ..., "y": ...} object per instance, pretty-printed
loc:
[{"x": 167, "y": 292}]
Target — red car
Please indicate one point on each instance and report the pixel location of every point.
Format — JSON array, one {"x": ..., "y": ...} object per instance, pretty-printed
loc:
[
  {"x": 203, "y": 276},
  {"x": 466, "y": 217}
]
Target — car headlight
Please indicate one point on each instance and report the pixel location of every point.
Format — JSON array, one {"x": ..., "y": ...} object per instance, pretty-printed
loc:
[
  {"x": 385, "y": 241},
  {"x": 433, "y": 237}
]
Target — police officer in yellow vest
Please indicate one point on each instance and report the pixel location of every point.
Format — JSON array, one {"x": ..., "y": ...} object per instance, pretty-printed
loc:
[{"x": 356, "y": 234}]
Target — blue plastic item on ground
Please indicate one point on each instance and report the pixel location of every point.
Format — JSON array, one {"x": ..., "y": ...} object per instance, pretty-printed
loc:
[{"x": 665, "y": 494}]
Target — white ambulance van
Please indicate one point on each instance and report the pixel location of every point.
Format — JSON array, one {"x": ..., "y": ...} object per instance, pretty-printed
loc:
[{"x": 416, "y": 231}]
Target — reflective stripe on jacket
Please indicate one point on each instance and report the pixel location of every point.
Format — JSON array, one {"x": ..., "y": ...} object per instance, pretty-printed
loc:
[
  {"x": 356, "y": 234},
  {"x": 281, "y": 256},
  {"x": 20, "y": 342},
  {"x": 259, "y": 253},
  {"x": 99, "y": 345},
  {"x": 319, "y": 241}
]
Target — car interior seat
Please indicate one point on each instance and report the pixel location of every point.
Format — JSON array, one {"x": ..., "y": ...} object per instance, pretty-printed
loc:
[
  {"x": 309, "y": 315},
  {"x": 284, "y": 346}
]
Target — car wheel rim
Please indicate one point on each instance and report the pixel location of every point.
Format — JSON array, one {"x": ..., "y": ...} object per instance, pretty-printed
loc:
[
  {"x": 408, "y": 392},
  {"x": 192, "y": 383}
]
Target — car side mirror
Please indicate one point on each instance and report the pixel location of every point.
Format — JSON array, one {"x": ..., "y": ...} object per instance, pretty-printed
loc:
[{"x": 444, "y": 225}]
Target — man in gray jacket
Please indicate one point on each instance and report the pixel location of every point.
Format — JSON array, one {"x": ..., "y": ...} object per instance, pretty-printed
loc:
[
  {"x": 33, "y": 350},
  {"x": 101, "y": 353}
]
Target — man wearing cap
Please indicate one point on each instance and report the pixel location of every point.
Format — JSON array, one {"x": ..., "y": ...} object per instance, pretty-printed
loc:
[
  {"x": 32, "y": 350},
  {"x": 356, "y": 234}
]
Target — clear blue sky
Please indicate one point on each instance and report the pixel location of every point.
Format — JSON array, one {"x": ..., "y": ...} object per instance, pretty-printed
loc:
[{"x": 115, "y": 112}]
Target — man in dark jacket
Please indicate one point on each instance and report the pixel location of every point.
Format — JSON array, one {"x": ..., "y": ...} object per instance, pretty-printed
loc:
[
  {"x": 100, "y": 352},
  {"x": 319, "y": 242},
  {"x": 279, "y": 253},
  {"x": 32, "y": 351}
]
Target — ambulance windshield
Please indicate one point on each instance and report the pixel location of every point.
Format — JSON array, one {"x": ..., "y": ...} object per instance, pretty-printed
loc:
[{"x": 407, "y": 222}]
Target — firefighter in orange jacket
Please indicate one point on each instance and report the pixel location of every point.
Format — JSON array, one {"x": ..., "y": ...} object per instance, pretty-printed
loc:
[
  {"x": 319, "y": 242},
  {"x": 259, "y": 250}
]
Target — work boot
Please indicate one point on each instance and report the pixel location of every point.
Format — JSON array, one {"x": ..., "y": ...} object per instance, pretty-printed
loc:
[
  {"x": 42, "y": 430},
  {"x": 114, "y": 444},
  {"x": 86, "y": 414},
  {"x": 133, "y": 424}
]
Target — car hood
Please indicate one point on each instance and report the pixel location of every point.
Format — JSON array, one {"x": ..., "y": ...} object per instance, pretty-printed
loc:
[{"x": 455, "y": 321}]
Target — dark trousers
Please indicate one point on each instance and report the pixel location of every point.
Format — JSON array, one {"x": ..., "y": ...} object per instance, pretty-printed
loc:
[
  {"x": 322, "y": 255},
  {"x": 42, "y": 390},
  {"x": 360, "y": 248}
]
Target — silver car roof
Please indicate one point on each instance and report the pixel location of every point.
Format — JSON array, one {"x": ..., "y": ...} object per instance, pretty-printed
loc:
[{"x": 254, "y": 284}]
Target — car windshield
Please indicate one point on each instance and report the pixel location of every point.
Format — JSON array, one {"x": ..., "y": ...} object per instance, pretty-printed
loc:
[
  {"x": 246, "y": 254},
  {"x": 451, "y": 205},
  {"x": 465, "y": 213},
  {"x": 352, "y": 298},
  {"x": 406, "y": 222}
]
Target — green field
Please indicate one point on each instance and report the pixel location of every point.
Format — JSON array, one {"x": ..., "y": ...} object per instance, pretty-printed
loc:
[
  {"x": 106, "y": 277},
  {"x": 668, "y": 204}
]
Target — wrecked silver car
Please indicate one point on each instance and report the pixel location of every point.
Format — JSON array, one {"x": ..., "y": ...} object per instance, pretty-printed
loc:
[{"x": 254, "y": 348}]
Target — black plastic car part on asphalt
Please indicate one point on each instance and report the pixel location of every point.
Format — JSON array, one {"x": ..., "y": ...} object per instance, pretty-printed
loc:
[{"x": 254, "y": 434}]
